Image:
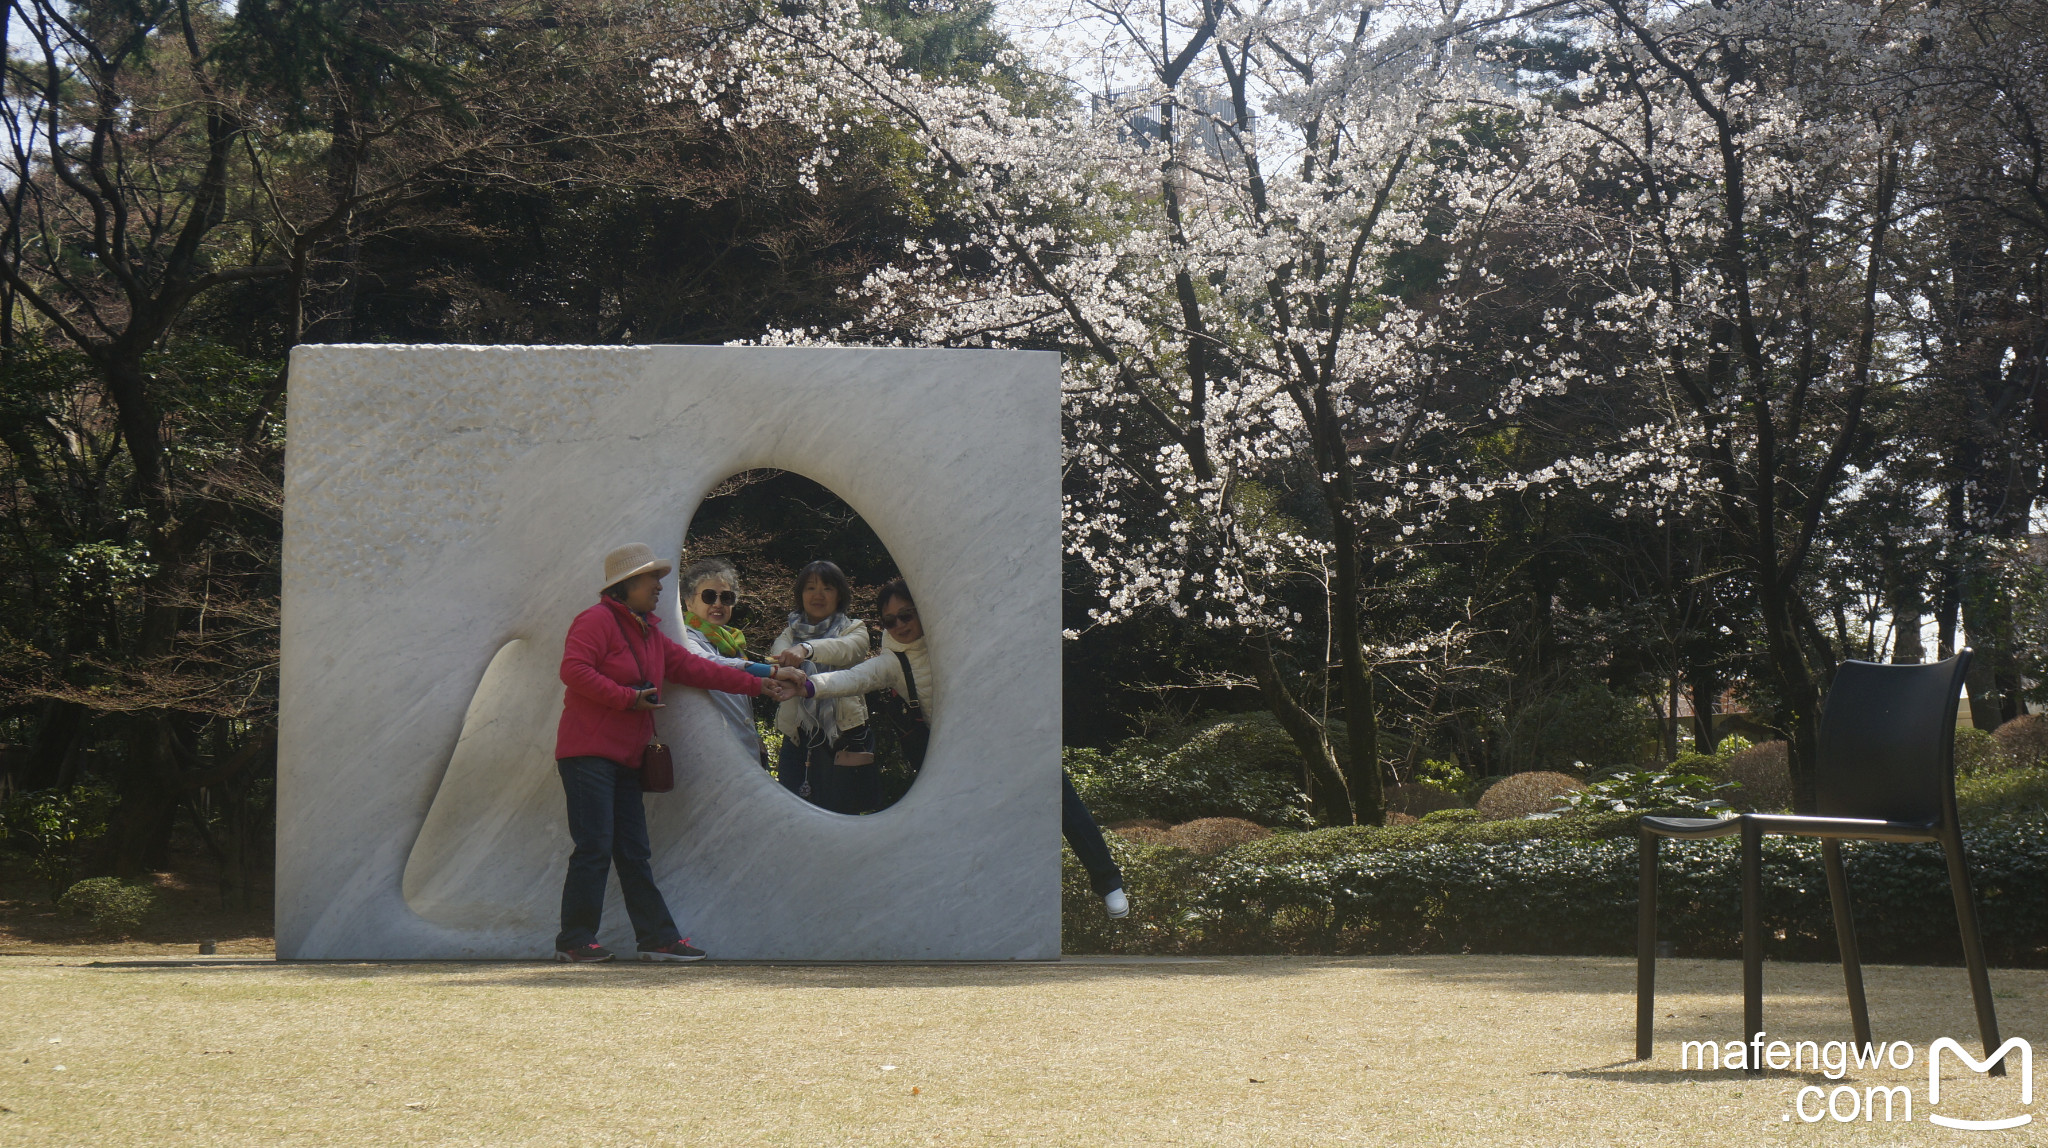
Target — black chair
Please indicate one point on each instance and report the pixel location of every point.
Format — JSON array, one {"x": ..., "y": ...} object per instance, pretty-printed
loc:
[{"x": 1886, "y": 773}]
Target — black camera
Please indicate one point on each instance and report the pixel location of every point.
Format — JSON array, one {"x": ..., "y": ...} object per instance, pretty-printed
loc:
[{"x": 642, "y": 687}]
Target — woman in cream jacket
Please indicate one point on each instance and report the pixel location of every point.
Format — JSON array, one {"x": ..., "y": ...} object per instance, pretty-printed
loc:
[
  {"x": 828, "y": 752},
  {"x": 904, "y": 666}
]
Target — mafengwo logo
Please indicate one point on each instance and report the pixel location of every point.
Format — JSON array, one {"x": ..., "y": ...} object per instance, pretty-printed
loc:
[
  {"x": 1878, "y": 1102},
  {"x": 2026, "y": 1052}
]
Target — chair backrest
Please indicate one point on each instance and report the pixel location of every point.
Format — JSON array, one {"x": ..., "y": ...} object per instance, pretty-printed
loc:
[{"x": 1887, "y": 741}]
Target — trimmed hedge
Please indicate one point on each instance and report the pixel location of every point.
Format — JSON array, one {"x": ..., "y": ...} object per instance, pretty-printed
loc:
[{"x": 1557, "y": 886}]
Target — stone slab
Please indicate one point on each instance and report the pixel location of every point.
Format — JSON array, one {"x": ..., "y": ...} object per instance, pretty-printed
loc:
[{"x": 447, "y": 510}]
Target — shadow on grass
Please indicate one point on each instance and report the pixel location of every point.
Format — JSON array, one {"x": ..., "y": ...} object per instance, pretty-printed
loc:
[
  {"x": 1807, "y": 994},
  {"x": 1616, "y": 1073}
]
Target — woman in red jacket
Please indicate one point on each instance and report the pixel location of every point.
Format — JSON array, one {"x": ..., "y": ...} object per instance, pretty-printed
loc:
[{"x": 612, "y": 663}]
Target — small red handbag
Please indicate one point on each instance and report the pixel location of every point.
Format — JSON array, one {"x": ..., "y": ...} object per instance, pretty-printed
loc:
[{"x": 657, "y": 767}]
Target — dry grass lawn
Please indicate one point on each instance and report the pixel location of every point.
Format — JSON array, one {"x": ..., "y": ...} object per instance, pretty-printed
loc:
[{"x": 1238, "y": 1051}]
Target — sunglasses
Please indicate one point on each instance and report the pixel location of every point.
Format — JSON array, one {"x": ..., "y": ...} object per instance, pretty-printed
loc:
[
  {"x": 891, "y": 621},
  {"x": 717, "y": 597}
]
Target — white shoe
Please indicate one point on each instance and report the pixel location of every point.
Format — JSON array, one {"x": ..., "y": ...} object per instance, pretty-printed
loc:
[{"x": 1118, "y": 905}]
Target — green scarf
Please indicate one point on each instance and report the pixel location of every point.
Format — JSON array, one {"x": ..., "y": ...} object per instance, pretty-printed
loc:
[{"x": 725, "y": 639}]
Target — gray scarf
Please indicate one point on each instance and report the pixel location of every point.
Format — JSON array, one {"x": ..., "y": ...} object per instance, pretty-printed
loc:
[{"x": 820, "y": 714}]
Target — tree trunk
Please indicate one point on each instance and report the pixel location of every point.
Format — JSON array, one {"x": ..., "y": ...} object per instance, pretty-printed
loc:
[
  {"x": 1330, "y": 801},
  {"x": 1706, "y": 690},
  {"x": 1989, "y": 626},
  {"x": 1355, "y": 684},
  {"x": 1798, "y": 696},
  {"x": 59, "y": 735}
]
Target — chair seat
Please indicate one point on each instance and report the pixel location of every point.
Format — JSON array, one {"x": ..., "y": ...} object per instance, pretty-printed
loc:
[{"x": 1792, "y": 824}]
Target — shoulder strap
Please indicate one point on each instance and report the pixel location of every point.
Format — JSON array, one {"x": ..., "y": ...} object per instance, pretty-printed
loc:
[
  {"x": 909, "y": 679},
  {"x": 637, "y": 663}
]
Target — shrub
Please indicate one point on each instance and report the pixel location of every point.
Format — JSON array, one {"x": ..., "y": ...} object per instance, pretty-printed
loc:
[
  {"x": 53, "y": 827},
  {"x": 1450, "y": 816},
  {"x": 1242, "y": 766},
  {"x": 1212, "y": 835},
  {"x": 1763, "y": 774},
  {"x": 1144, "y": 835},
  {"x": 2023, "y": 741},
  {"x": 1320, "y": 845},
  {"x": 1418, "y": 799},
  {"x": 1347, "y": 891},
  {"x": 1398, "y": 818},
  {"x": 1521, "y": 794},
  {"x": 2006, "y": 795},
  {"x": 1642, "y": 789},
  {"x": 1588, "y": 722},
  {"x": 1976, "y": 752},
  {"x": 108, "y": 902},
  {"x": 1448, "y": 776}
]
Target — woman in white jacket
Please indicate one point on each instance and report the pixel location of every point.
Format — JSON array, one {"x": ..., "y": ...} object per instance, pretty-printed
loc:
[
  {"x": 904, "y": 667},
  {"x": 828, "y": 752}
]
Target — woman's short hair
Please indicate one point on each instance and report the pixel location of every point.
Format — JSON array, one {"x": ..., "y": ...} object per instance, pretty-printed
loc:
[
  {"x": 893, "y": 588},
  {"x": 617, "y": 590},
  {"x": 828, "y": 573},
  {"x": 704, "y": 570}
]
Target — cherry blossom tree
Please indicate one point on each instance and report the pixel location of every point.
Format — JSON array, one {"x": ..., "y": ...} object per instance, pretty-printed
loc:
[
  {"x": 1207, "y": 233},
  {"x": 1322, "y": 274}
]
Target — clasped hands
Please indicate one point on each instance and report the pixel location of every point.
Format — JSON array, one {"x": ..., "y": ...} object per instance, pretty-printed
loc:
[{"x": 787, "y": 682}]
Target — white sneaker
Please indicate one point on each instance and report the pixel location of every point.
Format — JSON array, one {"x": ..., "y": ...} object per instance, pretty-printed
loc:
[{"x": 1116, "y": 903}]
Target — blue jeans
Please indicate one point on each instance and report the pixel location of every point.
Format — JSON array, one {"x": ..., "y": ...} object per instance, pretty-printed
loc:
[
  {"x": 1084, "y": 837},
  {"x": 609, "y": 826}
]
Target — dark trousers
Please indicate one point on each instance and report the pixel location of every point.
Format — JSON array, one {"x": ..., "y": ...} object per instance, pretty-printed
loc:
[
  {"x": 1085, "y": 838},
  {"x": 839, "y": 788},
  {"x": 609, "y": 826}
]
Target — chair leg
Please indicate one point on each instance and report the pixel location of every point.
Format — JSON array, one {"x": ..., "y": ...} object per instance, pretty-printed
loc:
[
  {"x": 1973, "y": 944},
  {"x": 1752, "y": 933},
  {"x": 1845, "y": 939},
  {"x": 1646, "y": 944}
]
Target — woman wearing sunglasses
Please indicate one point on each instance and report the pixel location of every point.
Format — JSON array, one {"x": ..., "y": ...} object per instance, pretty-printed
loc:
[
  {"x": 710, "y": 591},
  {"x": 904, "y": 667}
]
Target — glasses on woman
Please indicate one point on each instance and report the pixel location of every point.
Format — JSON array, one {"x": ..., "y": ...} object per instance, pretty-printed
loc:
[
  {"x": 717, "y": 597},
  {"x": 891, "y": 621}
]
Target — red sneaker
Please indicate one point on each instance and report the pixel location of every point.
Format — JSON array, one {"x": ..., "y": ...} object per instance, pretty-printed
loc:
[{"x": 584, "y": 954}]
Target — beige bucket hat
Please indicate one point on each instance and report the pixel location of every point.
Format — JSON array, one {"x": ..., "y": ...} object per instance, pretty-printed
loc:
[{"x": 633, "y": 558}]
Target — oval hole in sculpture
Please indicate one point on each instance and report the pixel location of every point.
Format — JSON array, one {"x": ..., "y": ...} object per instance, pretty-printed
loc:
[{"x": 769, "y": 524}]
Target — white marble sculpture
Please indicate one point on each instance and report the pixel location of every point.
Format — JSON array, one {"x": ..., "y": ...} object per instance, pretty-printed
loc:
[{"x": 447, "y": 511}]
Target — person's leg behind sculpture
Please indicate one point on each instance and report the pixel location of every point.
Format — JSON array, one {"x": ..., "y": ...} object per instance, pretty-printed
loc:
[
  {"x": 1085, "y": 838},
  {"x": 904, "y": 669}
]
